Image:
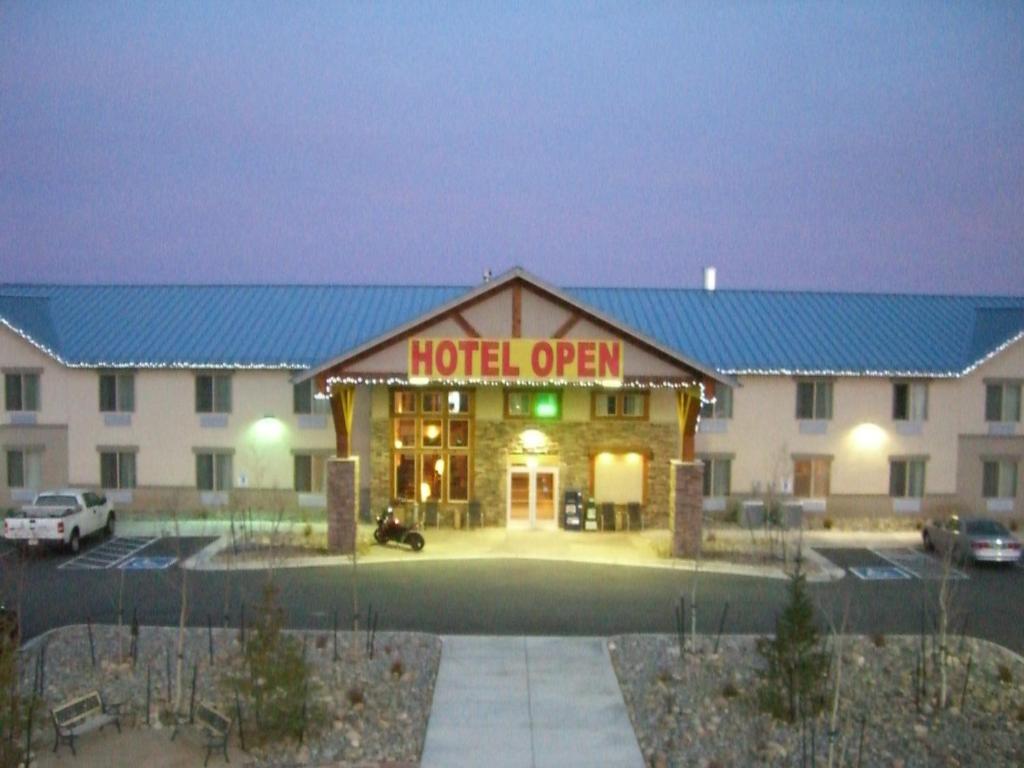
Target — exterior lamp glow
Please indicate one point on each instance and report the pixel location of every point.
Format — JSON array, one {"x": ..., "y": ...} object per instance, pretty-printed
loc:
[
  {"x": 868, "y": 437},
  {"x": 533, "y": 440},
  {"x": 268, "y": 429}
]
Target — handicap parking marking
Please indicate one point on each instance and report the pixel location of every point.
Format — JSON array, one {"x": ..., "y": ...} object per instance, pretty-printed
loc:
[
  {"x": 919, "y": 564},
  {"x": 879, "y": 573},
  {"x": 148, "y": 563},
  {"x": 109, "y": 554}
]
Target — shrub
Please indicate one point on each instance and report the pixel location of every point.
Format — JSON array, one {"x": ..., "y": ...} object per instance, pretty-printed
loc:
[
  {"x": 796, "y": 664},
  {"x": 355, "y": 696},
  {"x": 732, "y": 511},
  {"x": 275, "y": 681},
  {"x": 827, "y": 523},
  {"x": 397, "y": 668},
  {"x": 730, "y": 691},
  {"x": 878, "y": 639}
]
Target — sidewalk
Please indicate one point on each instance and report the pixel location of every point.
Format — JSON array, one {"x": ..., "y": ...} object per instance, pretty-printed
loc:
[
  {"x": 642, "y": 549},
  {"x": 528, "y": 702}
]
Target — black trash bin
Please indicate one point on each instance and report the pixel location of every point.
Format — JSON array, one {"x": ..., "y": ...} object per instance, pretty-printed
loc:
[{"x": 572, "y": 510}]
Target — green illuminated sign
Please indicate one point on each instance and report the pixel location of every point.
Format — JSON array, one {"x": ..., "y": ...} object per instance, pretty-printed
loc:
[{"x": 545, "y": 405}]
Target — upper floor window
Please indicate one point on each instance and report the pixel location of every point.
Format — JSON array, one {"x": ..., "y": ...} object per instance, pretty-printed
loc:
[
  {"x": 910, "y": 401},
  {"x": 117, "y": 392},
  {"x": 21, "y": 391},
  {"x": 721, "y": 407},
  {"x": 117, "y": 468},
  {"x": 304, "y": 400},
  {"x": 814, "y": 399},
  {"x": 906, "y": 478},
  {"x": 213, "y": 393},
  {"x": 1002, "y": 401},
  {"x": 533, "y": 404},
  {"x": 811, "y": 477},
  {"x": 620, "y": 405},
  {"x": 999, "y": 479}
]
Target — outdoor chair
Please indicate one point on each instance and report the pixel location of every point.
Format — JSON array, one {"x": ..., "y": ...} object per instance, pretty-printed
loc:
[
  {"x": 634, "y": 516},
  {"x": 607, "y": 510}
]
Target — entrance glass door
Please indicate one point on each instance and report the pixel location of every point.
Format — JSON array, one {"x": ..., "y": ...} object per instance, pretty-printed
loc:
[{"x": 533, "y": 497}]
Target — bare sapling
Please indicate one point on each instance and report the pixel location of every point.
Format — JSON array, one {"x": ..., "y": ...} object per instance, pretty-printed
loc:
[
  {"x": 838, "y": 636},
  {"x": 944, "y": 622},
  {"x": 179, "y": 669}
]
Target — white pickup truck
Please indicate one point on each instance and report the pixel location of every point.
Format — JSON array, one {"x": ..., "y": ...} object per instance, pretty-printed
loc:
[{"x": 60, "y": 517}]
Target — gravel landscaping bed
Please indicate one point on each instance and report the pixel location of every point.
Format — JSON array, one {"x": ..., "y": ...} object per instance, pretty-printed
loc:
[
  {"x": 703, "y": 711},
  {"x": 377, "y": 709}
]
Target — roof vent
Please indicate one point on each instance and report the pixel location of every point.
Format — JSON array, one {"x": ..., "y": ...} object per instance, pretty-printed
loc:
[
  {"x": 709, "y": 278},
  {"x": 488, "y": 275}
]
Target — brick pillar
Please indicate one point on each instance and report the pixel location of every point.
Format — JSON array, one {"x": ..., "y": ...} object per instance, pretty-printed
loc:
[
  {"x": 685, "y": 506},
  {"x": 342, "y": 504}
]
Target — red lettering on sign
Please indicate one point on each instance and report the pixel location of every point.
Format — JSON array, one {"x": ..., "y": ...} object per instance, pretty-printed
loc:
[
  {"x": 586, "y": 364},
  {"x": 609, "y": 360},
  {"x": 565, "y": 353},
  {"x": 446, "y": 357},
  {"x": 468, "y": 347},
  {"x": 541, "y": 358},
  {"x": 421, "y": 358},
  {"x": 489, "y": 358},
  {"x": 507, "y": 369}
]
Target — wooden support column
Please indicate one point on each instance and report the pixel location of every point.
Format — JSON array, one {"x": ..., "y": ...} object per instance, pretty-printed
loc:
[
  {"x": 342, "y": 406},
  {"x": 687, "y": 410}
]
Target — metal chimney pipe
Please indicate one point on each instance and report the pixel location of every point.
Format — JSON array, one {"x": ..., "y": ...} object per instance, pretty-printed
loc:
[{"x": 709, "y": 278}]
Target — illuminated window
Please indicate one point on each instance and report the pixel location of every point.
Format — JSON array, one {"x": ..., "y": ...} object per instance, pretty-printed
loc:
[
  {"x": 811, "y": 477},
  {"x": 543, "y": 404},
  {"x": 431, "y": 445}
]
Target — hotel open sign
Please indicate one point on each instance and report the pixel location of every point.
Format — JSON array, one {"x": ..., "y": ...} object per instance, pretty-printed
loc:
[{"x": 516, "y": 359}]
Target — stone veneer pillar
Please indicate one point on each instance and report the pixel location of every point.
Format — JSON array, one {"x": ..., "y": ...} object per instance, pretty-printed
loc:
[
  {"x": 342, "y": 503},
  {"x": 686, "y": 506}
]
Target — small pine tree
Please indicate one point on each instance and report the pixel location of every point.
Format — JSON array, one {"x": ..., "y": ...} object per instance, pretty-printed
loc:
[
  {"x": 276, "y": 682},
  {"x": 796, "y": 664}
]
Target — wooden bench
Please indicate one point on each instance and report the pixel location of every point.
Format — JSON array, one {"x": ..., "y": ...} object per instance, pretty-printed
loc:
[
  {"x": 80, "y": 716},
  {"x": 213, "y": 726}
]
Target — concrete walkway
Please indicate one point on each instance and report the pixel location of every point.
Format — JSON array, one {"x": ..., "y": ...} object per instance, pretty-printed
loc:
[{"x": 528, "y": 702}]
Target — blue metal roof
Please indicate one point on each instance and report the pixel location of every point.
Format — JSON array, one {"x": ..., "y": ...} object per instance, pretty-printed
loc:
[{"x": 302, "y": 326}]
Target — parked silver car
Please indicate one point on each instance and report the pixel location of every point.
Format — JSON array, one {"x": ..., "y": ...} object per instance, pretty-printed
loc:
[{"x": 976, "y": 539}]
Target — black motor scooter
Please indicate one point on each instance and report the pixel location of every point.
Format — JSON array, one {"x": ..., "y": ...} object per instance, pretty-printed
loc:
[{"x": 390, "y": 529}]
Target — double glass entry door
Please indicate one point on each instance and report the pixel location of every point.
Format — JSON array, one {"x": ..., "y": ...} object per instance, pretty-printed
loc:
[{"x": 533, "y": 497}]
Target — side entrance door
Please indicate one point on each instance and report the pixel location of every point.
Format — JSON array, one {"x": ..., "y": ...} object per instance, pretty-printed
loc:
[{"x": 533, "y": 497}]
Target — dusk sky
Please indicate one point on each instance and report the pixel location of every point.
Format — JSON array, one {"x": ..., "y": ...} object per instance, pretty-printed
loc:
[{"x": 861, "y": 146}]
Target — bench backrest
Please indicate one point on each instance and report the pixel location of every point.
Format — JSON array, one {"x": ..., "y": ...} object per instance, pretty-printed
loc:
[
  {"x": 70, "y": 713},
  {"x": 212, "y": 719}
]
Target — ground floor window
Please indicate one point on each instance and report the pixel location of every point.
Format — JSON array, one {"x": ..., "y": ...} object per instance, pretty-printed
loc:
[
  {"x": 213, "y": 471},
  {"x": 999, "y": 479},
  {"x": 432, "y": 445},
  {"x": 717, "y": 476},
  {"x": 117, "y": 469},
  {"x": 619, "y": 477},
  {"x": 24, "y": 468},
  {"x": 311, "y": 472},
  {"x": 906, "y": 478},
  {"x": 811, "y": 477}
]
